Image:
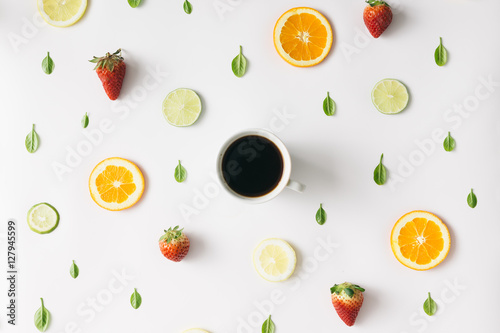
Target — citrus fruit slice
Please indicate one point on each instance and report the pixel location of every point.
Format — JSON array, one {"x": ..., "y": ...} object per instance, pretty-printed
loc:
[
  {"x": 116, "y": 184},
  {"x": 390, "y": 96},
  {"x": 195, "y": 330},
  {"x": 43, "y": 218},
  {"x": 274, "y": 259},
  {"x": 303, "y": 37},
  {"x": 182, "y": 107},
  {"x": 62, "y": 13},
  {"x": 420, "y": 240}
]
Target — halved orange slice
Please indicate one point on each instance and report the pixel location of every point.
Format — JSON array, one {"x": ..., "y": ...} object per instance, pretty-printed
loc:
[
  {"x": 303, "y": 37},
  {"x": 116, "y": 184},
  {"x": 420, "y": 240}
]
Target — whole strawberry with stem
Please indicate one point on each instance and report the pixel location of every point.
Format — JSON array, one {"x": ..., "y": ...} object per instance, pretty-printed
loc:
[
  {"x": 347, "y": 299},
  {"x": 111, "y": 70},
  {"x": 174, "y": 244},
  {"x": 377, "y": 17}
]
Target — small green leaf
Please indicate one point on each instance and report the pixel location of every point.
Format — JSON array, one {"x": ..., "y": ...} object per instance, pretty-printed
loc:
[
  {"x": 329, "y": 105},
  {"x": 85, "y": 120},
  {"x": 268, "y": 326},
  {"x": 472, "y": 199},
  {"x": 48, "y": 64},
  {"x": 321, "y": 215},
  {"x": 441, "y": 54},
  {"x": 134, "y": 3},
  {"x": 239, "y": 64},
  {"x": 430, "y": 306},
  {"x": 449, "y": 143},
  {"x": 180, "y": 173},
  {"x": 380, "y": 173},
  {"x": 42, "y": 318},
  {"x": 349, "y": 292},
  {"x": 135, "y": 299},
  {"x": 74, "y": 271},
  {"x": 32, "y": 140},
  {"x": 188, "y": 8}
]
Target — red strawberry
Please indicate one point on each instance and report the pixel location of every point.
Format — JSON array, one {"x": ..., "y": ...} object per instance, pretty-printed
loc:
[
  {"x": 174, "y": 244},
  {"x": 111, "y": 71},
  {"x": 377, "y": 17},
  {"x": 347, "y": 299}
]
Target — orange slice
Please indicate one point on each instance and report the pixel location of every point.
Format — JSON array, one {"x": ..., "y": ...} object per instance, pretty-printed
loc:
[
  {"x": 116, "y": 184},
  {"x": 420, "y": 240},
  {"x": 303, "y": 37}
]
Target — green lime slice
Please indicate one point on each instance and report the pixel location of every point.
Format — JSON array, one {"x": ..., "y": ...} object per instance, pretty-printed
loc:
[
  {"x": 182, "y": 107},
  {"x": 390, "y": 96},
  {"x": 43, "y": 218}
]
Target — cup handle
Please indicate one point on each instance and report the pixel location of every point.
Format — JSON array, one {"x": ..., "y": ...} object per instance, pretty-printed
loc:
[{"x": 296, "y": 186}]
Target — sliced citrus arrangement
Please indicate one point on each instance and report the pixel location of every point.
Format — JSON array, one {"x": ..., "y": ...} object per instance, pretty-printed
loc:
[
  {"x": 182, "y": 107},
  {"x": 303, "y": 37},
  {"x": 116, "y": 184},
  {"x": 62, "y": 13},
  {"x": 274, "y": 259},
  {"x": 43, "y": 218},
  {"x": 420, "y": 240},
  {"x": 390, "y": 96}
]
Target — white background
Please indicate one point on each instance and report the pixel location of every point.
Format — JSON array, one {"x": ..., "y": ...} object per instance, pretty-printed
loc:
[{"x": 216, "y": 287}]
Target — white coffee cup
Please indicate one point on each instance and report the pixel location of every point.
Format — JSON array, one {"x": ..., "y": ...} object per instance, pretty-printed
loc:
[{"x": 285, "y": 180}]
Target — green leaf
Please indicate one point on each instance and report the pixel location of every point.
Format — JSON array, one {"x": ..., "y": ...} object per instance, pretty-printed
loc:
[
  {"x": 239, "y": 64},
  {"x": 441, "y": 54},
  {"x": 85, "y": 120},
  {"x": 135, "y": 299},
  {"x": 32, "y": 140},
  {"x": 188, "y": 8},
  {"x": 42, "y": 318},
  {"x": 180, "y": 173},
  {"x": 74, "y": 271},
  {"x": 48, "y": 64},
  {"x": 134, "y": 3},
  {"x": 321, "y": 215},
  {"x": 268, "y": 326},
  {"x": 380, "y": 173},
  {"x": 329, "y": 105},
  {"x": 449, "y": 143},
  {"x": 472, "y": 199},
  {"x": 430, "y": 306},
  {"x": 349, "y": 292}
]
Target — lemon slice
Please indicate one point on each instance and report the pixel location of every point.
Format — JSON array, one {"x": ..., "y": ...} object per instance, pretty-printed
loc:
[
  {"x": 390, "y": 96},
  {"x": 274, "y": 259},
  {"x": 62, "y": 13},
  {"x": 182, "y": 107},
  {"x": 43, "y": 218},
  {"x": 195, "y": 330}
]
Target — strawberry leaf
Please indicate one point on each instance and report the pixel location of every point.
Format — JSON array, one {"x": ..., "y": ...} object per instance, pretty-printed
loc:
[{"x": 349, "y": 292}]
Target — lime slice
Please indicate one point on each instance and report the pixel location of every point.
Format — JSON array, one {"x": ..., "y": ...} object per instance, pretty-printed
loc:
[
  {"x": 43, "y": 218},
  {"x": 195, "y": 330},
  {"x": 274, "y": 259},
  {"x": 182, "y": 107},
  {"x": 390, "y": 96},
  {"x": 62, "y": 13}
]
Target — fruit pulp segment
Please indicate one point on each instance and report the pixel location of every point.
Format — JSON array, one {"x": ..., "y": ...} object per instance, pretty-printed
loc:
[
  {"x": 303, "y": 37},
  {"x": 115, "y": 184},
  {"x": 61, "y": 10},
  {"x": 390, "y": 95},
  {"x": 421, "y": 241},
  {"x": 43, "y": 217},
  {"x": 274, "y": 260}
]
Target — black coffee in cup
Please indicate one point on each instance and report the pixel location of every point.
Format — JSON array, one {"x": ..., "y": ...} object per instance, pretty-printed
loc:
[{"x": 252, "y": 166}]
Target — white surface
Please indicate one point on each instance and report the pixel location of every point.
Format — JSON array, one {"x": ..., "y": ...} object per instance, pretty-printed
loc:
[{"x": 216, "y": 287}]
